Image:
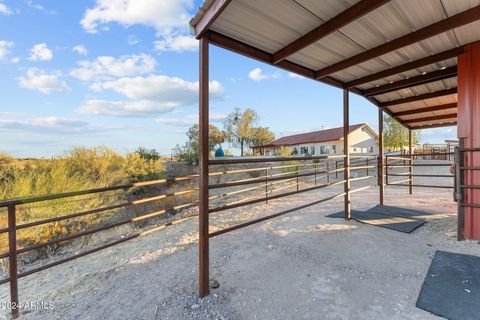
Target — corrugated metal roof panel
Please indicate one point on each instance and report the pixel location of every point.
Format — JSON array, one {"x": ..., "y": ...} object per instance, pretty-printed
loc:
[
  {"x": 424, "y": 103},
  {"x": 273, "y": 24},
  {"x": 417, "y": 90},
  {"x": 263, "y": 25}
]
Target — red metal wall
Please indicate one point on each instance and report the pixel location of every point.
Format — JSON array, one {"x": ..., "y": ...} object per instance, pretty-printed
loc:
[{"x": 469, "y": 129}]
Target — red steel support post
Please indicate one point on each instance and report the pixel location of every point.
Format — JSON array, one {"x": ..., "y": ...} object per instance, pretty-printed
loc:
[
  {"x": 203, "y": 174},
  {"x": 410, "y": 166},
  {"x": 469, "y": 132},
  {"x": 381, "y": 162},
  {"x": 346, "y": 171}
]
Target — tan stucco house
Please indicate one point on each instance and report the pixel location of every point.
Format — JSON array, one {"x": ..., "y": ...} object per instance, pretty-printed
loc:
[{"x": 362, "y": 139}]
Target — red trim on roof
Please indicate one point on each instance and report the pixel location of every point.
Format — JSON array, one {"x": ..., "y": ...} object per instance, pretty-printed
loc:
[{"x": 333, "y": 134}]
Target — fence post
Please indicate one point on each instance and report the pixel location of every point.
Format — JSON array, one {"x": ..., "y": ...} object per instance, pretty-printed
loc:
[
  {"x": 298, "y": 183},
  {"x": 336, "y": 169},
  {"x": 328, "y": 173},
  {"x": 367, "y": 165},
  {"x": 386, "y": 170},
  {"x": 12, "y": 259},
  {"x": 316, "y": 174},
  {"x": 266, "y": 186},
  {"x": 459, "y": 162}
]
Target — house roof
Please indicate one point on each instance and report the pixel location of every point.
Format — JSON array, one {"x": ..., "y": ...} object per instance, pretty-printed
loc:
[
  {"x": 333, "y": 134},
  {"x": 401, "y": 55}
]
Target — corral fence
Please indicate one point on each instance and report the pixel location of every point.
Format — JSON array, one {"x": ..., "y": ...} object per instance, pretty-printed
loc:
[
  {"x": 400, "y": 170},
  {"x": 286, "y": 179},
  {"x": 466, "y": 187},
  {"x": 235, "y": 183}
]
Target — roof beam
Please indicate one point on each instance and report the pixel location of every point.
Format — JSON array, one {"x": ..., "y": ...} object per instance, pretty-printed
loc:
[
  {"x": 455, "y": 21},
  {"x": 429, "y": 109},
  {"x": 342, "y": 19},
  {"x": 415, "y": 81},
  {"x": 432, "y": 118},
  {"x": 263, "y": 56},
  {"x": 209, "y": 17},
  {"x": 425, "y": 96},
  {"x": 427, "y": 126},
  {"x": 453, "y": 53}
]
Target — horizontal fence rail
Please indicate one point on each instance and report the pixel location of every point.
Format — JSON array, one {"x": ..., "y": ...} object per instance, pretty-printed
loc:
[
  {"x": 268, "y": 179},
  {"x": 409, "y": 163},
  {"x": 14, "y": 249},
  {"x": 328, "y": 168},
  {"x": 464, "y": 165}
]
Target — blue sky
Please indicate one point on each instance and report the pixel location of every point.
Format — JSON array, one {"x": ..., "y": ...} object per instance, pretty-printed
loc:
[{"x": 123, "y": 73}]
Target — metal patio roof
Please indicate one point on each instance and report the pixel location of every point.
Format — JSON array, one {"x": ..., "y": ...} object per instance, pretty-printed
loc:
[{"x": 399, "y": 54}]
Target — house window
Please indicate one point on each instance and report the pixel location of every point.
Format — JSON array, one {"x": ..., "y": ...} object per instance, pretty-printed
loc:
[
  {"x": 355, "y": 149},
  {"x": 312, "y": 150},
  {"x": 303, "y": 150},
  {"x": 370, "y": 149},
  {"x": 322, "y": 149},
  {"x": 295, "y": 151},
  {"x": 334, "y": 148}
]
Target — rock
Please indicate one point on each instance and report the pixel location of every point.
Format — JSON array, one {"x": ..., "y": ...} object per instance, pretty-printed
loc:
[
  {"x": 214, "y": 284},
  {"x": 195, "y": 306}
]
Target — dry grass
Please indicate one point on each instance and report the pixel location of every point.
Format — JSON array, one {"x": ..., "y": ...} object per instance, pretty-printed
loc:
[{"x": 79, "y": 169}]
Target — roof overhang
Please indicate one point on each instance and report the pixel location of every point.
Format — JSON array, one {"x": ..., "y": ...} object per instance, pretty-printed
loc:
[{"x": 400, "y": 57}]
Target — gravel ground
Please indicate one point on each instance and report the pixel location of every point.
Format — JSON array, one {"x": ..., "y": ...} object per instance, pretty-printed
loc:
[{"x": 298, "y": 266}]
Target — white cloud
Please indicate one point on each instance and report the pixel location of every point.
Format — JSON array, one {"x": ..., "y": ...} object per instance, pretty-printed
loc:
[
  {"x": 5, "y": 47},
  {"x": 189, "y": 120},
  {"x": 294, "y": 75},
  {"x": 5, "y": 10},
  {"x": 164, "y": 16},
  {"x": 39, "y": 7},
  {"x": 15, "y": 60},
  {"x": 52, "y": 125},
  {"x": 132, "y": 40},
  {"x": 178, "y": 43},
  {"x": 258, "y": 75},
  {"x": 171, "y": 91},
  {"x": 177, "y": 122},
  {"x": 106, "y": 67},
  {"x": 80, "y": 49},
  {"x": 149, "y": 95},
  {"x": 125, "y": 108},
  {"x": 169, "y": 18},
  {"x": 42, "y": 81},
  {"x": 40, "y": 52}
]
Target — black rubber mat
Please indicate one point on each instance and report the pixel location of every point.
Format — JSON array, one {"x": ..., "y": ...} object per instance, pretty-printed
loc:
[
  {"x": 402, "y": 212},
  {"x": 452, "y": 287},
  {"x": 388, "y": 220}
]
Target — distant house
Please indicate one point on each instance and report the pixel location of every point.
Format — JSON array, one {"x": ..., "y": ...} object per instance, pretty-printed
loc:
[{"x": 362, "y": 139}]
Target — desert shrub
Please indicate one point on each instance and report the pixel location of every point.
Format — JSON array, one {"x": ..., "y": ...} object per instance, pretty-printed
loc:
[
  {"x": 148, "y": 154},
  {"x": 79, "y": 169}
]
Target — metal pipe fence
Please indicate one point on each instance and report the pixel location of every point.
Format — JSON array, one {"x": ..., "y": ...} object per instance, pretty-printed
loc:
[
  {"x": 408, "y": 162},
  {"x": 296, "y": 175},
  {"x": 465, "y": 188},
  {"x": 12, "y": 220}
]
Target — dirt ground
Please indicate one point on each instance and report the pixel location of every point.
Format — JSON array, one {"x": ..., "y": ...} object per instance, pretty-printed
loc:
[{"x": 299, "y": 266}]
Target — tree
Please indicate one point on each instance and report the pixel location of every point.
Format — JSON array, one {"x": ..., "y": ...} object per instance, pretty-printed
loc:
[
  {"x": 215, "y": 135},
  {"x": 148, "y": 154},
  {"x": 190, "y": 151},
  {"x": 238, "y": 127},
  {"x": 396, "y": 135},
  {"x": 260, "y": 136}
]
